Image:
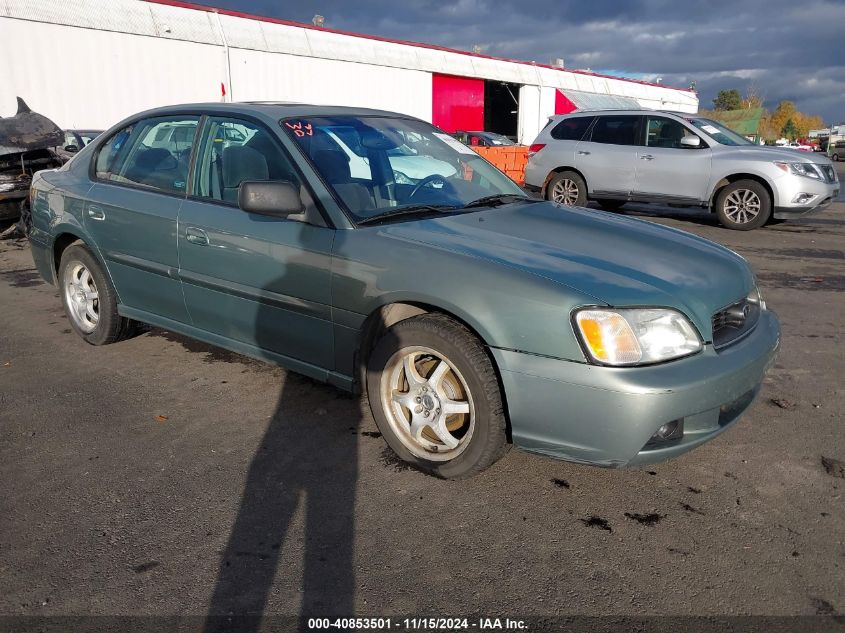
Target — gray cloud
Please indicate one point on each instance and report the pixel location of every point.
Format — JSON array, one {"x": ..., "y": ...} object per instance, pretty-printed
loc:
[{"x": 788, "y": 50}]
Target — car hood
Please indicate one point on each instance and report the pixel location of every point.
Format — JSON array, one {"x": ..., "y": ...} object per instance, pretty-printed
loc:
[
  {"x": 617, "y": 260},
  {"x": 786, "y": 154}
]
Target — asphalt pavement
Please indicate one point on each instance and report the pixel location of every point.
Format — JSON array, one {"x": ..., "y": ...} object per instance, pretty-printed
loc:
[{"x": 161, "y": 476}]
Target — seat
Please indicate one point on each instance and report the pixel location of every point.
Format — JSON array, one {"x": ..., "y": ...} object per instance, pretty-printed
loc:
[
  {"x": 240, "y": 163},
  {"x": 333, "y": 166},
  {"x": 153, "y": 167},
  {"x": 670, "y": 136}
]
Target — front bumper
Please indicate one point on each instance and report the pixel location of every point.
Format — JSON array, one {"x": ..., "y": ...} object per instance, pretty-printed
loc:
[
  {"x": 789, "y": 188},
  {"x": 605, "y": 416}
]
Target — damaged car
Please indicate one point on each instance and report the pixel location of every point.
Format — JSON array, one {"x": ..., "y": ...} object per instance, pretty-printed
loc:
[{"x": 28, "y": 143}]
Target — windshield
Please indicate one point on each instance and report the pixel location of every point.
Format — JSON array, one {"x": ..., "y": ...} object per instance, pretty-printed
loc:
[
  {"x": 375, "y": 165},
  {"x": 719, "y": 132}
]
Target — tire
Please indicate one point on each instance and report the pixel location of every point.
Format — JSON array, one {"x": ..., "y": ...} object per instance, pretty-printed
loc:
[
  {"x": 95, "y": 319},
  {"x": 471, "y": 438},
  {"x": 743, "y": 205},
  {"x": 567, "y": 188},
  {"x": 611, "y": 205},
  {"x": 835, "y": 157}
]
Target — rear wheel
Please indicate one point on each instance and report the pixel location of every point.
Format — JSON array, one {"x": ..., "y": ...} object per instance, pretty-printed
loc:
[
  {"x": 611, "y": 205},
  {"x": 89, "y": 299},
  {"x": 743, "y": 205},
  {"x": 835, "y": 157},
  {"x": 567, "y": 188},
  {"x": 435, "y": 397}
]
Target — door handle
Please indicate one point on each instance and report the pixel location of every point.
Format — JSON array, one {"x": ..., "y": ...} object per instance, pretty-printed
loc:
[
  {"x": 196, "y": 236},
  {"x": 646, "y": 157},
  {"x": 583, "y": 153},
  {"x": 96, "y": 213}
]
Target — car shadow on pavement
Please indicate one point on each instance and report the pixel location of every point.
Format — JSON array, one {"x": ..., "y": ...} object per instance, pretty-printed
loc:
[{"x": 308, "y": 459}]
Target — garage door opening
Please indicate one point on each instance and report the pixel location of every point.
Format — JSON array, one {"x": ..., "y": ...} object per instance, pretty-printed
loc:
[{"x": 501, "y": 104}]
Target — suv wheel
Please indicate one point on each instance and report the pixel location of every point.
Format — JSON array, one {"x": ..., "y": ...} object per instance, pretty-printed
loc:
[
  {"x": 89, "y": 299},
  {"x": 835, "y": 157},
  {"x": 567, "y": 188},
  {"x": 435, "y": 397},
  {"x": 743, "y": 205}
]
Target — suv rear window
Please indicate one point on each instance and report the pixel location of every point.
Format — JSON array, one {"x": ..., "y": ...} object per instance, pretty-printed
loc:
[
  {"x": 572, "y": 129},
  {"x": 617, "y": 130}
]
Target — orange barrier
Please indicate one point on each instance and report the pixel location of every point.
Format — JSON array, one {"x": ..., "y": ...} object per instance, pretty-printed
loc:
[{"x": 510, "y": 159}]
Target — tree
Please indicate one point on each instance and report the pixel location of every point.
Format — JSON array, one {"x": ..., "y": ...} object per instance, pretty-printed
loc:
[
  {"x": 786, "y": 110},
  {"x": 790, "y": 130},
  {"x": 728, "y": 100},
  {"x": 753, "y": 97}
]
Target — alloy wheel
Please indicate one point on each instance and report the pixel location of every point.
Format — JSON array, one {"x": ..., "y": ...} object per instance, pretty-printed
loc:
[
  {"x": 82, "y": 297},
  {"x": 428, "y": 404},
  {"x": 742, "y": 206},
  {"x": 565, "y": 191}
]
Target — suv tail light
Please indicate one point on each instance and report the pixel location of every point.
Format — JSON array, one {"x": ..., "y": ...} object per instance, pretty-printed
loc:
[{"x": 533, "y": 149}]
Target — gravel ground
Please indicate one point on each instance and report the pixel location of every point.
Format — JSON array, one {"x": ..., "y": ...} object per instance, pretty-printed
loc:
[{"x": 162, "y": 476}]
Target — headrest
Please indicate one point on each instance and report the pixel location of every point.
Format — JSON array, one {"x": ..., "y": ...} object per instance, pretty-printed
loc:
[{"x": 243, "y": 163}]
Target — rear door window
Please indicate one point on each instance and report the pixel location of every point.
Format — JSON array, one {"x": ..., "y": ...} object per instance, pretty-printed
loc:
[
  {"x": 621, "y": 129},
  {"x": 154, "y": 153},
  {"x": 572, "y": 129}
]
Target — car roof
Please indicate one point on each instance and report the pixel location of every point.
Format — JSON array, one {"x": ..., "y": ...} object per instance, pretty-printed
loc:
[{"x": 273, "y": 109}]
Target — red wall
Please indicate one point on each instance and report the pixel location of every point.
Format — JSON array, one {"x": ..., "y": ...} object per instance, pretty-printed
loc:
[
  {"x": 562, "y": 104},
  {"x": 457, "y": 103}
]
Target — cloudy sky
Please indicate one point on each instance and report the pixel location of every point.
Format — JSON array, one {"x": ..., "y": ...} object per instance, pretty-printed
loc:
[{"x": 789, "y": 49}]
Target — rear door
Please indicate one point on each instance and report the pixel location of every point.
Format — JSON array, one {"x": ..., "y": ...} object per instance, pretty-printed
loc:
[
  {"x": 607, "y": 157},
  {"x": 131, "y": 212},
  {"x": 257, "y": 280},
  {"x": 666, "y": 170}
]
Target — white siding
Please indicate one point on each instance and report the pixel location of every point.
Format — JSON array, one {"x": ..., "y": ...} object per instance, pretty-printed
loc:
[{"x": 88, "y": 63}]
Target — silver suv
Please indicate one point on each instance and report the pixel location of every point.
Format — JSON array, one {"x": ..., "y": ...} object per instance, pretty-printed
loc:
[{"x": 617, "y": 156}]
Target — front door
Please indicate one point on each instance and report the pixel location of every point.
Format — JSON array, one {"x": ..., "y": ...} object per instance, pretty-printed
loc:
[
  {"x": 666, "y": 170},
  {"x": 608, "y": 156},
  {"x": 260, "y": 281},
  {"x": 131, "y": 212}
]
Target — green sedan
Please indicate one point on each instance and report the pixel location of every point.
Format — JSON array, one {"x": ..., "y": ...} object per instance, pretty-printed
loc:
[{"x": 372, "y": 251}]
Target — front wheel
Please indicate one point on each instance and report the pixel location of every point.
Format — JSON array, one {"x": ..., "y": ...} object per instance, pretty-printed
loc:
[
  {"x": 743, "y": 205},
  {"x": 435, "y": 397},
  {"x": 567, "y": 188}
]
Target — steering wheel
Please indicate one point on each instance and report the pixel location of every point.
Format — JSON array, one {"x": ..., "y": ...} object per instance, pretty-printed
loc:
[{"x": 427, "y": 181}]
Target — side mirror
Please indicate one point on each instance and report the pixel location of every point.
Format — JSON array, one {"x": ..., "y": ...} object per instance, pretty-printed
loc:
[
  {"x": 690, "y": 140},
  {"x": 71, "y": 148},
  {"x": 277, "y": 198}
]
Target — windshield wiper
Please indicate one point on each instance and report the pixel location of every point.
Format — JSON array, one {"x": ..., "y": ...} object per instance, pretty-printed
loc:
[
  {"x": 498, "y": 199},
  {"x": 416, "y": 209}
]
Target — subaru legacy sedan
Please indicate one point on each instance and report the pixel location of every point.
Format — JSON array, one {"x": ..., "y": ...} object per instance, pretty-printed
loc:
[{"x": 470, "y": 315}]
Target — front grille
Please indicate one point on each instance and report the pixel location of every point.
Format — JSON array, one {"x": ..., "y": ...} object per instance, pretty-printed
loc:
[
  {"x": 829, "y": 173},
  {"x": 733, "y": 322}
]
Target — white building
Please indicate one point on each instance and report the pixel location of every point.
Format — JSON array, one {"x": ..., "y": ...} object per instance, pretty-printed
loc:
[{"x": 89, "y": 63}]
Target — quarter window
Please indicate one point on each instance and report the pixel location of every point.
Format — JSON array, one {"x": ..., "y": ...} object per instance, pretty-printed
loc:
[
  {"x": 234, "y": 152},
  {"x": 663, "y": 132},
  {"x": 153, "y": 153},
  {"x": 572, "y": 129},
  {"x": 617, "y": 130}
]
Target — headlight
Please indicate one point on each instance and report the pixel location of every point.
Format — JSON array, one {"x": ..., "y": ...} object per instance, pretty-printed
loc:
[
  {"x": 636, "y": 336},
  {"x": 808, "y": 170},
  {"x": 401, "y": 179}
]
